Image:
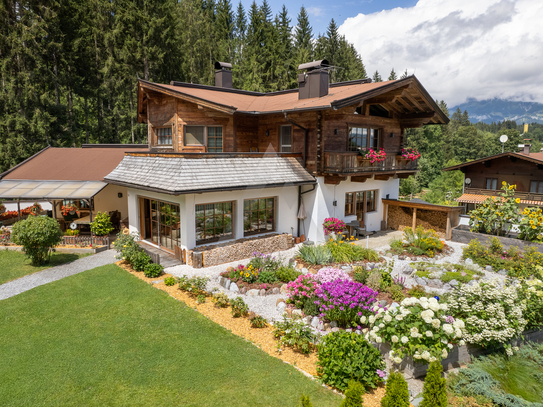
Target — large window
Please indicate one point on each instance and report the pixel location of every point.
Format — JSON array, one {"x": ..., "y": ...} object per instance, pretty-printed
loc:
[
  {"x": 491, "y": 183},
  {"x": 286, "y": 139},
  {"x": 358, "y": 203},
  {"x": 536, "y": 187},
  {"x": 163, "y": 136},
  {"x": 258, "y": 215},
  {"x": 78, "y": 203},
  {"x": 361, "y": 138},
  {"x": 208, "y": 136},
  {"x": 214, "y": 222}
]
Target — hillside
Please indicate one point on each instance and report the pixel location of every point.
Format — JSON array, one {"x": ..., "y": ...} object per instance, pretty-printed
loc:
[{"x": 495, "y": 110}]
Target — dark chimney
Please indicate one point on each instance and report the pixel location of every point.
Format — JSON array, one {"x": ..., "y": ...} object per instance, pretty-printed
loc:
[
  {"x": 223, "y": 75},
  {"x": 315, "y": 81},
  {"x": 527, "y": 146}
]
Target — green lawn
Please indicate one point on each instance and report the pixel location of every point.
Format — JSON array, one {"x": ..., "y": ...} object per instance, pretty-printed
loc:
[
  {"x": 15, "y": 264},
  {"x": 106, "y": 338}
]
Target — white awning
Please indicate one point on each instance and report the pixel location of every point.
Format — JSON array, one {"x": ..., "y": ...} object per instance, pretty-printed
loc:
[{"x": 24, "y": 189}]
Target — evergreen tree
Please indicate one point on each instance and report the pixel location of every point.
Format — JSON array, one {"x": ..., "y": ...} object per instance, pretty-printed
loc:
[
  {"x": 396, "y": 391},
  {"x": 305, "y": 401},
  {"x": 286, "y": 75},
  {"x": 239, "y": 45},
  {"x": 353, "y": 395},
  {"x": 392, "y": 76},
  {"x": 404, "y": 75},
  {"x": 435, "y": 387},
  {"x": 303, "y": 39},
  {"x": 377, "y": 77}
]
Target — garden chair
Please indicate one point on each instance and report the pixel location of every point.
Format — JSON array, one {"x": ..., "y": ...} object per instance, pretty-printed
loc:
[{"x": 357, "y": 229}]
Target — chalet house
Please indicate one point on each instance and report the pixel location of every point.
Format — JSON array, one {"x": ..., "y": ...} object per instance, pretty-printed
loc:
[
  {"x": 484, "y": 177},
  {"x": 225, "y": 164}
]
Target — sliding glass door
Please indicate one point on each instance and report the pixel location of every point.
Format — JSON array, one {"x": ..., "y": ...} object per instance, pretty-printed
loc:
[{"x": 160, "y": 223}]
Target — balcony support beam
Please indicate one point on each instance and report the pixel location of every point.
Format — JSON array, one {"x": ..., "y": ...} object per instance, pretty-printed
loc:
[{"x": 334, "y": 180}]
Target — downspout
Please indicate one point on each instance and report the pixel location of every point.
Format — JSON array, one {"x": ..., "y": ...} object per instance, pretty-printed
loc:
[
  {"x": 304, "y": 153},
  {"x": 300, "y": 193}
]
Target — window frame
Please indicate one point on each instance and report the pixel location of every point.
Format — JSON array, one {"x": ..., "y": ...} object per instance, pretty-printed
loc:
[
  {"x": 365, "y": 138},
  {"x": 206, "y": 137},
  {"x": 281, "y": 145},
  {"x": 258, "y": 210},
  {"x": 350, "y": 208},
  {"x": 215, "y": 238},
  {"x": 157, "y": 137},
  {"x": 493, "y": 182},
  {"x": 539, "y": 186}
]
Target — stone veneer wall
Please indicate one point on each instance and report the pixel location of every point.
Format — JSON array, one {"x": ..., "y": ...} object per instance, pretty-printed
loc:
[
  {"x": 400, "y": 217},
  {"x": 240, "y": 249}
]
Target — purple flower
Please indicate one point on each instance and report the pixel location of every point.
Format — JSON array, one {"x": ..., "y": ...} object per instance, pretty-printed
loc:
[{"x": 381, "y": 373}]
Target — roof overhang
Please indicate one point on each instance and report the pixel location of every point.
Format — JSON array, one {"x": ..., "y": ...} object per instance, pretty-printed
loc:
[
  {"x": 48, "y": 190},
  {"x": 418, "y": 205},
  {"x": 494, "y": 157}
]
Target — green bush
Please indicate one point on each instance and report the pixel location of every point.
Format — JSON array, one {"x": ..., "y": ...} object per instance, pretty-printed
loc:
[
  {"x": 286, "y": 274},
  {"x": 353, "y": 395},
  {"x": 238, "y": 307},
  {"x": 38, "y": 235},
  {"x": 267, "y": 277},
  {"x": 343, "y": 356},
  {"x": 169, "y": 281},
  {"x": 102, "y": 225},
  {"x": 193, "y": 285},
  {"x": 531, "y": 291},
  {"x": 360, "y": 274},
  {"x": 374, "y": 280},
  {"x": 434, "y": 393},
  {"x": 153, "y": 270},
  {"x": 417, "y": 292},
  {"x": 315, "y": 254},
  {"x": 347, "y": 252},
  {"x": 397, "y": 392},
  {"x": 127, "y": 246},
  {"x": 420, "y": 241},
  {"x": 396, "y": 293},
  {"x": 201, "y": 299},
  {"x": 396, "y": 246},
  {"x": 139, "y": 260},
  {"x": 221, "y": 300},
  {"x": 294, "y": 333},
  {"x": 258, "y": 321},
  {"x": 305, "y": 401}
]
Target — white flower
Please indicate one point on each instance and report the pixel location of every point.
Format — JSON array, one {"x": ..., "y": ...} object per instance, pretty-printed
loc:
[
  {"x": 394, "y": 339},
  {"x": 459, "y": 324},
  {"x": 363, "y": 319},
  {"x": 405, "y": 339},
  {"x": 429, "y": 334},
  {"x": 450, "y": 346},
  {"x": 414, "y": 332},
  {"x": 509, "y": 351},
  {"x": 432, "y": 359},
  {"x": 378, "y": 339},
  {"x": 425, "y": 355},
  {"x": 448, "y": 329},
  {"x": 381, "y": 325},
  {"x": 458, "y": 333},
  {"x": 428, "y": 314},
  {"x": 399, "y": 317},
  {"x": 515, "y": 348},
  {"x": 397, "y": 360},
  {"x": 372, "y": 319},
  {"x": 461, "y": 343},
  {"x": 387, "y": 318},
  {"x": 436, "y": 323},
  {"x": 444, "y": 353},
  {"x": 433, "y": 304}
]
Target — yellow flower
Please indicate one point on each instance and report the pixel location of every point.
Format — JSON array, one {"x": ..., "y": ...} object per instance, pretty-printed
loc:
[
  {"x": 504, "y": 183},
  {"x": 335, "y": 244},
  {"x": 246, "y": 274},
  {"x": 510, "y": 187},
  {"x": 517, "y": 200},
  {"x": 352, "y": 243},
  {"x": 533, "y": 227}
]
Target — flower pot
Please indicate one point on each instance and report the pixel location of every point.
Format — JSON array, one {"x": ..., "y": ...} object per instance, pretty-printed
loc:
[
  {"x": 297, "y": 240},
  {"x": 71, "y": 212},
  {"x": 302, "y": 238}
]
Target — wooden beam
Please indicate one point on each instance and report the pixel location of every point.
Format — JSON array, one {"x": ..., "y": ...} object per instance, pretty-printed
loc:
[
  {"x": 414, "y": 218},
  {"x": 381, "y": 177},
  {"x": 417, "y": 116},
  {"x": 360, "y": 178},
  {"x": 448, "y": 230},
  {"x": 414, "y": 101},
  {"x": 403, "y": 176},
  {"x": 385, "y": 217},
  {"x": 19, "y": 208},
  {"x": 334, "y": 180}
]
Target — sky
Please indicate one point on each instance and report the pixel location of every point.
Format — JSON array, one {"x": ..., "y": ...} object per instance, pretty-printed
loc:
[{"x": 458, "y": 49}]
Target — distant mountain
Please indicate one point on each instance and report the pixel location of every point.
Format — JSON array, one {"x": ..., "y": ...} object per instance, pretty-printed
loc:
[{"x": 498, "y": 110}]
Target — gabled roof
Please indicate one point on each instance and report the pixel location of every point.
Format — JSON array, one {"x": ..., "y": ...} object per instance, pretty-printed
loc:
[
  {"x": 185, "y": 173},
  {"x": 70, "y": 164},
  {"x": 536, "y": 158},
  {"x": 340, "y": 95}
]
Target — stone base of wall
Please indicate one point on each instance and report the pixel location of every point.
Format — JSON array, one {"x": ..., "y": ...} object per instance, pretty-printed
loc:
[
  {"x": 461, "y": 234},
  {"x": 399, "y": 218},
  {"x": 459, "y": 355},
  {"x": 206, "y": 256}
]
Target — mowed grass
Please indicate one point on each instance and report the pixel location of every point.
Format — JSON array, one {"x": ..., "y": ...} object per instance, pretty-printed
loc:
[
  {"x": 15, "y": 264},
  {"x": 106, "y": 338}
]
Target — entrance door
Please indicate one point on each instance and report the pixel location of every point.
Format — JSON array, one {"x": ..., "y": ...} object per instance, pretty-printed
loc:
[
  {"x": 161, "y": 223},
  {"x": 360, "y": 208}
]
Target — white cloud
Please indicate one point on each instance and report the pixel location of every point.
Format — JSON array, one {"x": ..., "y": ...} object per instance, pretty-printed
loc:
[
  {"x": 315, "y": 11},
  {"x": 458, "y": 49}
]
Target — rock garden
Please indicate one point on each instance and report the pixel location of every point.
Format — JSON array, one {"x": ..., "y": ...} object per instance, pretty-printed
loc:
[{"x": 360, "y": 315}]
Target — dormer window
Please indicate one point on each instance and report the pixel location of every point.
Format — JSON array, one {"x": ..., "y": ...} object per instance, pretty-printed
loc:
[
  {"x": 361, "y": 138},
  {"x": 163, "y": 136}
]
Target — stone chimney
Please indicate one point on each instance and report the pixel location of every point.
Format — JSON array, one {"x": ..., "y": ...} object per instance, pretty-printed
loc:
[
  {"x": 223, "y": 75},
  {"x": 314, "y": 82}
]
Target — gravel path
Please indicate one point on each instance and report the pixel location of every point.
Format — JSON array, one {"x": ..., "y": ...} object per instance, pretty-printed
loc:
[{"x": 29, "y": 282}]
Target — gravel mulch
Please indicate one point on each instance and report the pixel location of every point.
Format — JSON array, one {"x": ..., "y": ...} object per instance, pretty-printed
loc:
[{"x": 31, "y": 281}]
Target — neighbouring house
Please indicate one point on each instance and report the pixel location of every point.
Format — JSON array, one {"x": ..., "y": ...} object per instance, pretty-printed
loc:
[
  {"x": 70, "y": 177},
  {"x": 225, "y": 164},
  {"x": 483, "y": 178}
]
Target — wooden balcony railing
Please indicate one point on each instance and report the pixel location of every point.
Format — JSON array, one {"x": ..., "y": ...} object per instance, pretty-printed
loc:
[
  {"x": 336, "y": 162},
  {"x": 525, "y": 196}
]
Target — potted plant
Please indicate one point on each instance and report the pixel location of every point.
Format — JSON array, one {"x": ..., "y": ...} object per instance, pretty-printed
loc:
[
  {"x": 372, "y": 156},
  {"x": 333, "y": 227},
  {"x": 69, "y": 210},
  {"x": 2, "y": 208},
  {"x": 409, "y": 154},
  {"x": 35, "y": 209}
]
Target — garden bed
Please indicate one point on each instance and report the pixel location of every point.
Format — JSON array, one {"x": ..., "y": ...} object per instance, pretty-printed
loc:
[{"x": 462, "y": 234}]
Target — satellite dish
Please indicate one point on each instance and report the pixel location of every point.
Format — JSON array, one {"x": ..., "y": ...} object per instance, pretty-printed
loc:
[
  {"x": 73, "y": 226},
  {"x": 504, "y": 138},
  {"x": 467, "y": 181}
]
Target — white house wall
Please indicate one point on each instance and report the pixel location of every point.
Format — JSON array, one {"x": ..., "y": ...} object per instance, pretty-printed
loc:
[
  {"x": 319, "y": 204},
  {"x": 108, "y": 200}
]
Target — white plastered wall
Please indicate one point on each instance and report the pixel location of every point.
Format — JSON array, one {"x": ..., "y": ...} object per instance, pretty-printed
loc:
[
  {"x": 286, "y": 209},
  {"x": 319, "y": 204},
  {"x": 108, "y": 200}
]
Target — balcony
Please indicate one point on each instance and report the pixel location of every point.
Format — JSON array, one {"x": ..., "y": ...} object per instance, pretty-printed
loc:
[
  {"x": 525, "y": 197},
  {"x": 349, "y": 162}
]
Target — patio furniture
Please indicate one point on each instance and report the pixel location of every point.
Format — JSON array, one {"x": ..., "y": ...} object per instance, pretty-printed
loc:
[{"x": 356, "y": 229}]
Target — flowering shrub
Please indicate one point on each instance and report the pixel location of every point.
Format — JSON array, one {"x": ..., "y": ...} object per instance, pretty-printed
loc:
[
  {"x": 344, "y": 356},
  {"x": 373, "y": 155},
  {"x": 301, "y": 289},
  {"x": 127, "y": 246},
  {"x": 531, "y": 291},
  {"x": 249, "y": 274},
  {"x": 69, "y": 208},
  {"x": 293, "y": 332},
  {"x": 14, "y": 214},
  {"x": 531, "y": 224},
  {"x": 345, "y": 301},
  {"x": 265, "y": 262},
  {"x": 346, "y": 251},
  {"x": 2, "y": 207},
  {"x": 410, "y": 154},
  {"x": 493, "y": 314},
  {"x": 326, "y": 275},
  {"x": 420, "y": 327},
  {"x": 496, "y": 214},
  {"x": 422, "y": 241},
  {"x": 333, "y": 225}
]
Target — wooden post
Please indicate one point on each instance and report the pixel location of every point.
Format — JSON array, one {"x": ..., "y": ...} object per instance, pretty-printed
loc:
[
  {"x": 54, "y": 205},
  {"x": 384, "y": 225},
  {"x": 19, "y": 208},
  {"x": 414, "y": 218},
  {"x": 448, "y": 230}
]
